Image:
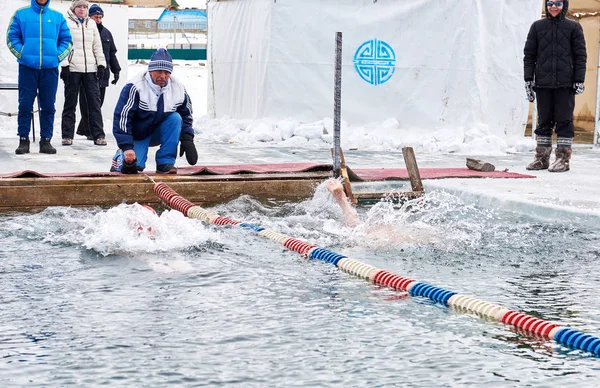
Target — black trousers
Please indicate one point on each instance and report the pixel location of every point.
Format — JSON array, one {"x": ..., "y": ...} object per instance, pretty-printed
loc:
[
  {"x": 84, "y": 124},
  {"x": 89, "y": 83},
  {"x": 555, "y": 108}
]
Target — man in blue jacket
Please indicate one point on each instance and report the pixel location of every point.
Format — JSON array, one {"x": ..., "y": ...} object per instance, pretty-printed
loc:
[
  {"x": 40, "y": 39},
  {"x": 154, "y": 109}
]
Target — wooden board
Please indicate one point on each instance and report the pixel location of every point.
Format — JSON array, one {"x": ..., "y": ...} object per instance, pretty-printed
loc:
[
  {"x": 19, "y": 194},
  {"x": 413, "y": 170},
  {"x": 367, "y": 199}
]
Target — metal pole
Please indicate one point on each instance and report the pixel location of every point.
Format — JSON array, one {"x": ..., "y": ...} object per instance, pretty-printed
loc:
[
  {"x": 337, "y": 104},
  {"x": 534, "y": 120},
  {"x": 597, "y": 116},
  {"x": 39, "y": 117}
]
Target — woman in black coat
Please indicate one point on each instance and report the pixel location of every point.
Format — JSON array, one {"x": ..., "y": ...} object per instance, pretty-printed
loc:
[
  {"x": 554, "y": 68},
  {"x": 110, "y": 54}
]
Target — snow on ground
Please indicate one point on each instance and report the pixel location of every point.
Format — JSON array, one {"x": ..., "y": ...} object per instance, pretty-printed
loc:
[{"x": 377, "y": 136}]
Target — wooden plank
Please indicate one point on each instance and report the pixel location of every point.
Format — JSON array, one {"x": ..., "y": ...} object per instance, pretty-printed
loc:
[
  {"x": 344, "y": 174},
  {"x": 346, "y": 183},
  {"x": 405, "y": 194},
  {"x": 366, "y": 199},
  {"x": 412, "y": 169},
  {"x": 140, "y": 178},
  {"x": 38, "y": 193}
]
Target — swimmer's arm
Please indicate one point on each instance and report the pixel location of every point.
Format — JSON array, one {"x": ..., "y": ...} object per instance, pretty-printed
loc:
[{"x": 350, "y": 215}]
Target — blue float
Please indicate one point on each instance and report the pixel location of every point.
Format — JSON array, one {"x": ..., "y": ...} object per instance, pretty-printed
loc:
[
  {"x": 578, "y": 340},
  {"x": 326, "y": 255},
  {"x": 434, "y": 293},
  {"x": 253, "y": 227}
]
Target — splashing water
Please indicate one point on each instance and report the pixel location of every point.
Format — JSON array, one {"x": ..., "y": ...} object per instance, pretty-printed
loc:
[{"x": 125, "y": 230}]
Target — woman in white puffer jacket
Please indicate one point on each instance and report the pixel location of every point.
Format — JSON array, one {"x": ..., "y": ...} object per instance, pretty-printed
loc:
[{"x": 85, "y": 65}]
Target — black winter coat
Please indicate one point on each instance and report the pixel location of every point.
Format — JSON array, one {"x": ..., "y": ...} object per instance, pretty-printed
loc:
[
  {"x": 110, "y": 54},
  {"x": 555, "y": 54}
]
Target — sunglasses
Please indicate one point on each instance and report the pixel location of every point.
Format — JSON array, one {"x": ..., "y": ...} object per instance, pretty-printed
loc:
[{"x": 557, "y": 3}]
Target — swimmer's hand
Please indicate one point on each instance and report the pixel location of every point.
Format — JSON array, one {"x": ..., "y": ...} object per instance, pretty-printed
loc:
[
  {"x": 337, "y": 191},
  {"x": 335, "y": 187}
]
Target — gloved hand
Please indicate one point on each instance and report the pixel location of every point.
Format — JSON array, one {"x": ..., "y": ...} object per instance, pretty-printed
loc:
[
  {"x": 115, "y": 78},
  {"x": 188, "y": 148},
  {"x": 100, "y": 72},
  {"x": 65, "y": 74},
  {"x": 529, "y": 85},
  {"x": 579, "y": 88},
  {"x": 129, "y": 168}
]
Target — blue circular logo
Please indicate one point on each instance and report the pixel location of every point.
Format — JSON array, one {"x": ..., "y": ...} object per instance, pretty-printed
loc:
[{"x": 375, "y": 61}]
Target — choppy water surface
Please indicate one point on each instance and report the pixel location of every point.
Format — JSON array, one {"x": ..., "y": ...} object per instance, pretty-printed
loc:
[{"x": 89, "y": 298}]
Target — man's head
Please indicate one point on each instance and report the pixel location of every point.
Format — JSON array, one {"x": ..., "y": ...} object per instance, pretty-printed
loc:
[
  {"x": 160, "y": 67},
  {"x": 41, "y": 2},
  {"x": 96, "y": 13},
  {"x": 79, "y": 8},
  {"x": 556, "y": 8}
]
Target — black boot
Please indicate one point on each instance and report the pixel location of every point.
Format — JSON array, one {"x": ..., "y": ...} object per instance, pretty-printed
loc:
[
  {"x": 166, "y": 169},
  {"x": 23, "y": 146},
  {"x": 46, "y": 147}
]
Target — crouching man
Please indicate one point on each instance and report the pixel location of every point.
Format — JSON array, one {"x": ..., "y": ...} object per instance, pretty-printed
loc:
[{"x": 154, "y": 109}]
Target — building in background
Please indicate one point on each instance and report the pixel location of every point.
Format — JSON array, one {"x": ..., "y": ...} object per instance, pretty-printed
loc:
[
  {"x": 151, "y": 22},
  {"x": 143, "y": 22},
  {"x": 149, "y": 3},
  {"x": 181, "y": 31},
  {"x": 188, "y": 21},
  {"x": 178, "y": 25},
  {"x": 180, "y": 4}
]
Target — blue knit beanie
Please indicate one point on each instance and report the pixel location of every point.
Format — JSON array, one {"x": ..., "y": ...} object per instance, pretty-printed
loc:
[
  {"x": 95, "y": 10},
  {"x": 161, "y": 60}
]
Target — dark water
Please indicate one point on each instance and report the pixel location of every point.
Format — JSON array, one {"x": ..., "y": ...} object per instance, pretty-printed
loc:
[{"x": 87, "y": 299}]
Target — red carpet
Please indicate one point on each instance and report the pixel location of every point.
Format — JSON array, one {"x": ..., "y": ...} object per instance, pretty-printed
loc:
[{"x": 361, "y": 174}]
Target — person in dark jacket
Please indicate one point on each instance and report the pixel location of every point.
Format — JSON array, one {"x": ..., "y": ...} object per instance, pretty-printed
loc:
[
  {"x": 554, "y": 67},
  {"x": 154, "y": 109},
  {"x": 40, "y": 39},
  {"x": 112, "y": 66}
]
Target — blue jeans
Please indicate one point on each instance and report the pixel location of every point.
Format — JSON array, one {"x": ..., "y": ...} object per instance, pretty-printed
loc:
[
  {"x": 166, "y": 135},
  {"x": 42, "y": 83}
]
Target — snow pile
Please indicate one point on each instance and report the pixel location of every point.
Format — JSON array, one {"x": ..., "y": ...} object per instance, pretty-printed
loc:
[{"x": 378, "y": 136}]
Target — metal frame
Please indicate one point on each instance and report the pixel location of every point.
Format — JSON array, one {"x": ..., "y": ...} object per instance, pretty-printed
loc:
[{"x": 9, "y": 86}]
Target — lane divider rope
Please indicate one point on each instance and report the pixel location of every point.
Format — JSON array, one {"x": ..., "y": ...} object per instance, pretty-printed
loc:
[{"x": 461, "y": 303}]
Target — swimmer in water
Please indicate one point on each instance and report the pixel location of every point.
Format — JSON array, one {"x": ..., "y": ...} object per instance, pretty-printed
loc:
[
  {"x": 378, "y": 235},
  {"x": 139, "y": 227}
]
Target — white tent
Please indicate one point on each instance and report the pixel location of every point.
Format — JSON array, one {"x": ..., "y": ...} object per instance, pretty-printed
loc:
[{"x": 431, "y": 64}]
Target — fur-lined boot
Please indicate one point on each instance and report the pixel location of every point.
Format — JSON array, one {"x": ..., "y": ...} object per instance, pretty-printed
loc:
[
  {"x": 542, "y": 158},
  {"x": 562, "y": 162}
]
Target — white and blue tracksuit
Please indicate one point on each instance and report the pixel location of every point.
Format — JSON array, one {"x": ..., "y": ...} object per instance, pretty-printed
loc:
[
  {"x": 148, "y": 115},
  {"x": 40, "y": 39}
]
